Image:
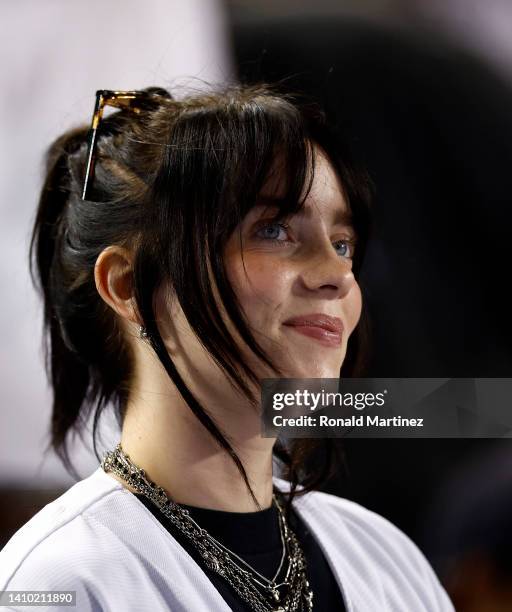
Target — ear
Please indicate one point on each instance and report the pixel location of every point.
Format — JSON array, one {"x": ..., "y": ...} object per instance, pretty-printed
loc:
[{"x": 113, "y": 275}]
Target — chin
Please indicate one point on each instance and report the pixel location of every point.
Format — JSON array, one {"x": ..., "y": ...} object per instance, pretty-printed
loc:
[{"x": 314, "y": 370}]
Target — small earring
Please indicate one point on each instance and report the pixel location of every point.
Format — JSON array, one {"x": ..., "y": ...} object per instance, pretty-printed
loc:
[{"x": 143, "y": 334}]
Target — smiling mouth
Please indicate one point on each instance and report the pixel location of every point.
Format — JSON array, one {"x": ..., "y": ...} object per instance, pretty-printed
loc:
[{"x": 320, "y": 334}]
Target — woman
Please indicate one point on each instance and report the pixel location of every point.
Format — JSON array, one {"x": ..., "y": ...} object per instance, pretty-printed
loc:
[{"x": 184, "y": 250}]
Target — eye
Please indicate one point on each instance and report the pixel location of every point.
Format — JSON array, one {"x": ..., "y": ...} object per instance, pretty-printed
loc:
[
  {"x": 272, "y": 231},
  {"x": 347, "y": 246}
]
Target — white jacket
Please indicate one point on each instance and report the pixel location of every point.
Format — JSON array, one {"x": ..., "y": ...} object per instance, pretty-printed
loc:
[{"x": 98, "y": 539}]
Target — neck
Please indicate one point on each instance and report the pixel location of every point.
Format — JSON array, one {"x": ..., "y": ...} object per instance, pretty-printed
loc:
[{"x": 180, "y": 455}]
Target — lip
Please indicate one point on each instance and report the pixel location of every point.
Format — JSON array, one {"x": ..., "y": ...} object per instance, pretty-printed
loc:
[{"x": 324, "y": 328}]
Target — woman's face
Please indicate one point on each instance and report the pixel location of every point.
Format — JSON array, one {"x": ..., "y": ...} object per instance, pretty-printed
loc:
[{"x": 302, "y": 270}]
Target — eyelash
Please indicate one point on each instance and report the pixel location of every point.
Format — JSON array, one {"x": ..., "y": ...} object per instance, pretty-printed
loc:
[{"x": 351, "y": 242}]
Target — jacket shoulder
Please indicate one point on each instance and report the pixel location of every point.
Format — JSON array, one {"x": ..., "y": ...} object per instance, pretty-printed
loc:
[
  {"x": 371, "y": 529},
  {"x": 61, "y": 548},
  {"x": 378, "y": 560}
]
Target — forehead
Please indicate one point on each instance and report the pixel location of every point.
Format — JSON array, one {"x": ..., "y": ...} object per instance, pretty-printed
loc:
[
  {"x": 326, "y": 191},
  {"x": 325, "y": 198}
]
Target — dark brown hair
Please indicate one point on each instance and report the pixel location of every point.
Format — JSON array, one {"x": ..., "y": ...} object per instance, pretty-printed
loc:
[{"x": 172, "y": 184}]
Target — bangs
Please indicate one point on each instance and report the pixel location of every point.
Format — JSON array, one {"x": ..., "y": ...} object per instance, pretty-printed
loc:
[{"x": 233, "y": 150}]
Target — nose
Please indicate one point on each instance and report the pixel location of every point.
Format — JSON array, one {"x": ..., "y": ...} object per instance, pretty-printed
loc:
[{"x": 324, "y": 270}]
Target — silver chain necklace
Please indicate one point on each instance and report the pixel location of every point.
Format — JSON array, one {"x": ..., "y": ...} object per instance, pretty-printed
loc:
[{"x": 291, "y": 594}]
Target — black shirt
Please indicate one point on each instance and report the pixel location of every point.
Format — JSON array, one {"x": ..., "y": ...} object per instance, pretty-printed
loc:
[{"x": 255, "y": 537}]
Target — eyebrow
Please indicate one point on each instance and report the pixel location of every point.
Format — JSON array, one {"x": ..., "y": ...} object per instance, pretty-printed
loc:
[{"x": 342, "y": 217}]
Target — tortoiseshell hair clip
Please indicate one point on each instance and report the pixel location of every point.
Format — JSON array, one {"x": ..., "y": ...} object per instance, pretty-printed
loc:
[{"x": 106, "y": 97}]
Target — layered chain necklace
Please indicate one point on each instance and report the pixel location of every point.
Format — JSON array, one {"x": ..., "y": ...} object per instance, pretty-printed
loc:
[{"x": 291, "y": 593}]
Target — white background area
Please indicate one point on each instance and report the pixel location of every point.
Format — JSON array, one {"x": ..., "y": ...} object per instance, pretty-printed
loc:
[{"x": 54, "y": 55}]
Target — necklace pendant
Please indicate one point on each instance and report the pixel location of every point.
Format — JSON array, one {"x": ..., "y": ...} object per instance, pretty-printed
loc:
[{"x": 210, "y": 561}]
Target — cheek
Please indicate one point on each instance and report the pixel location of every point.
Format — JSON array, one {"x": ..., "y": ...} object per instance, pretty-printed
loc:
[
  {"x": 353, "y": 306},
  {"x": 261, "y": 285}
]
